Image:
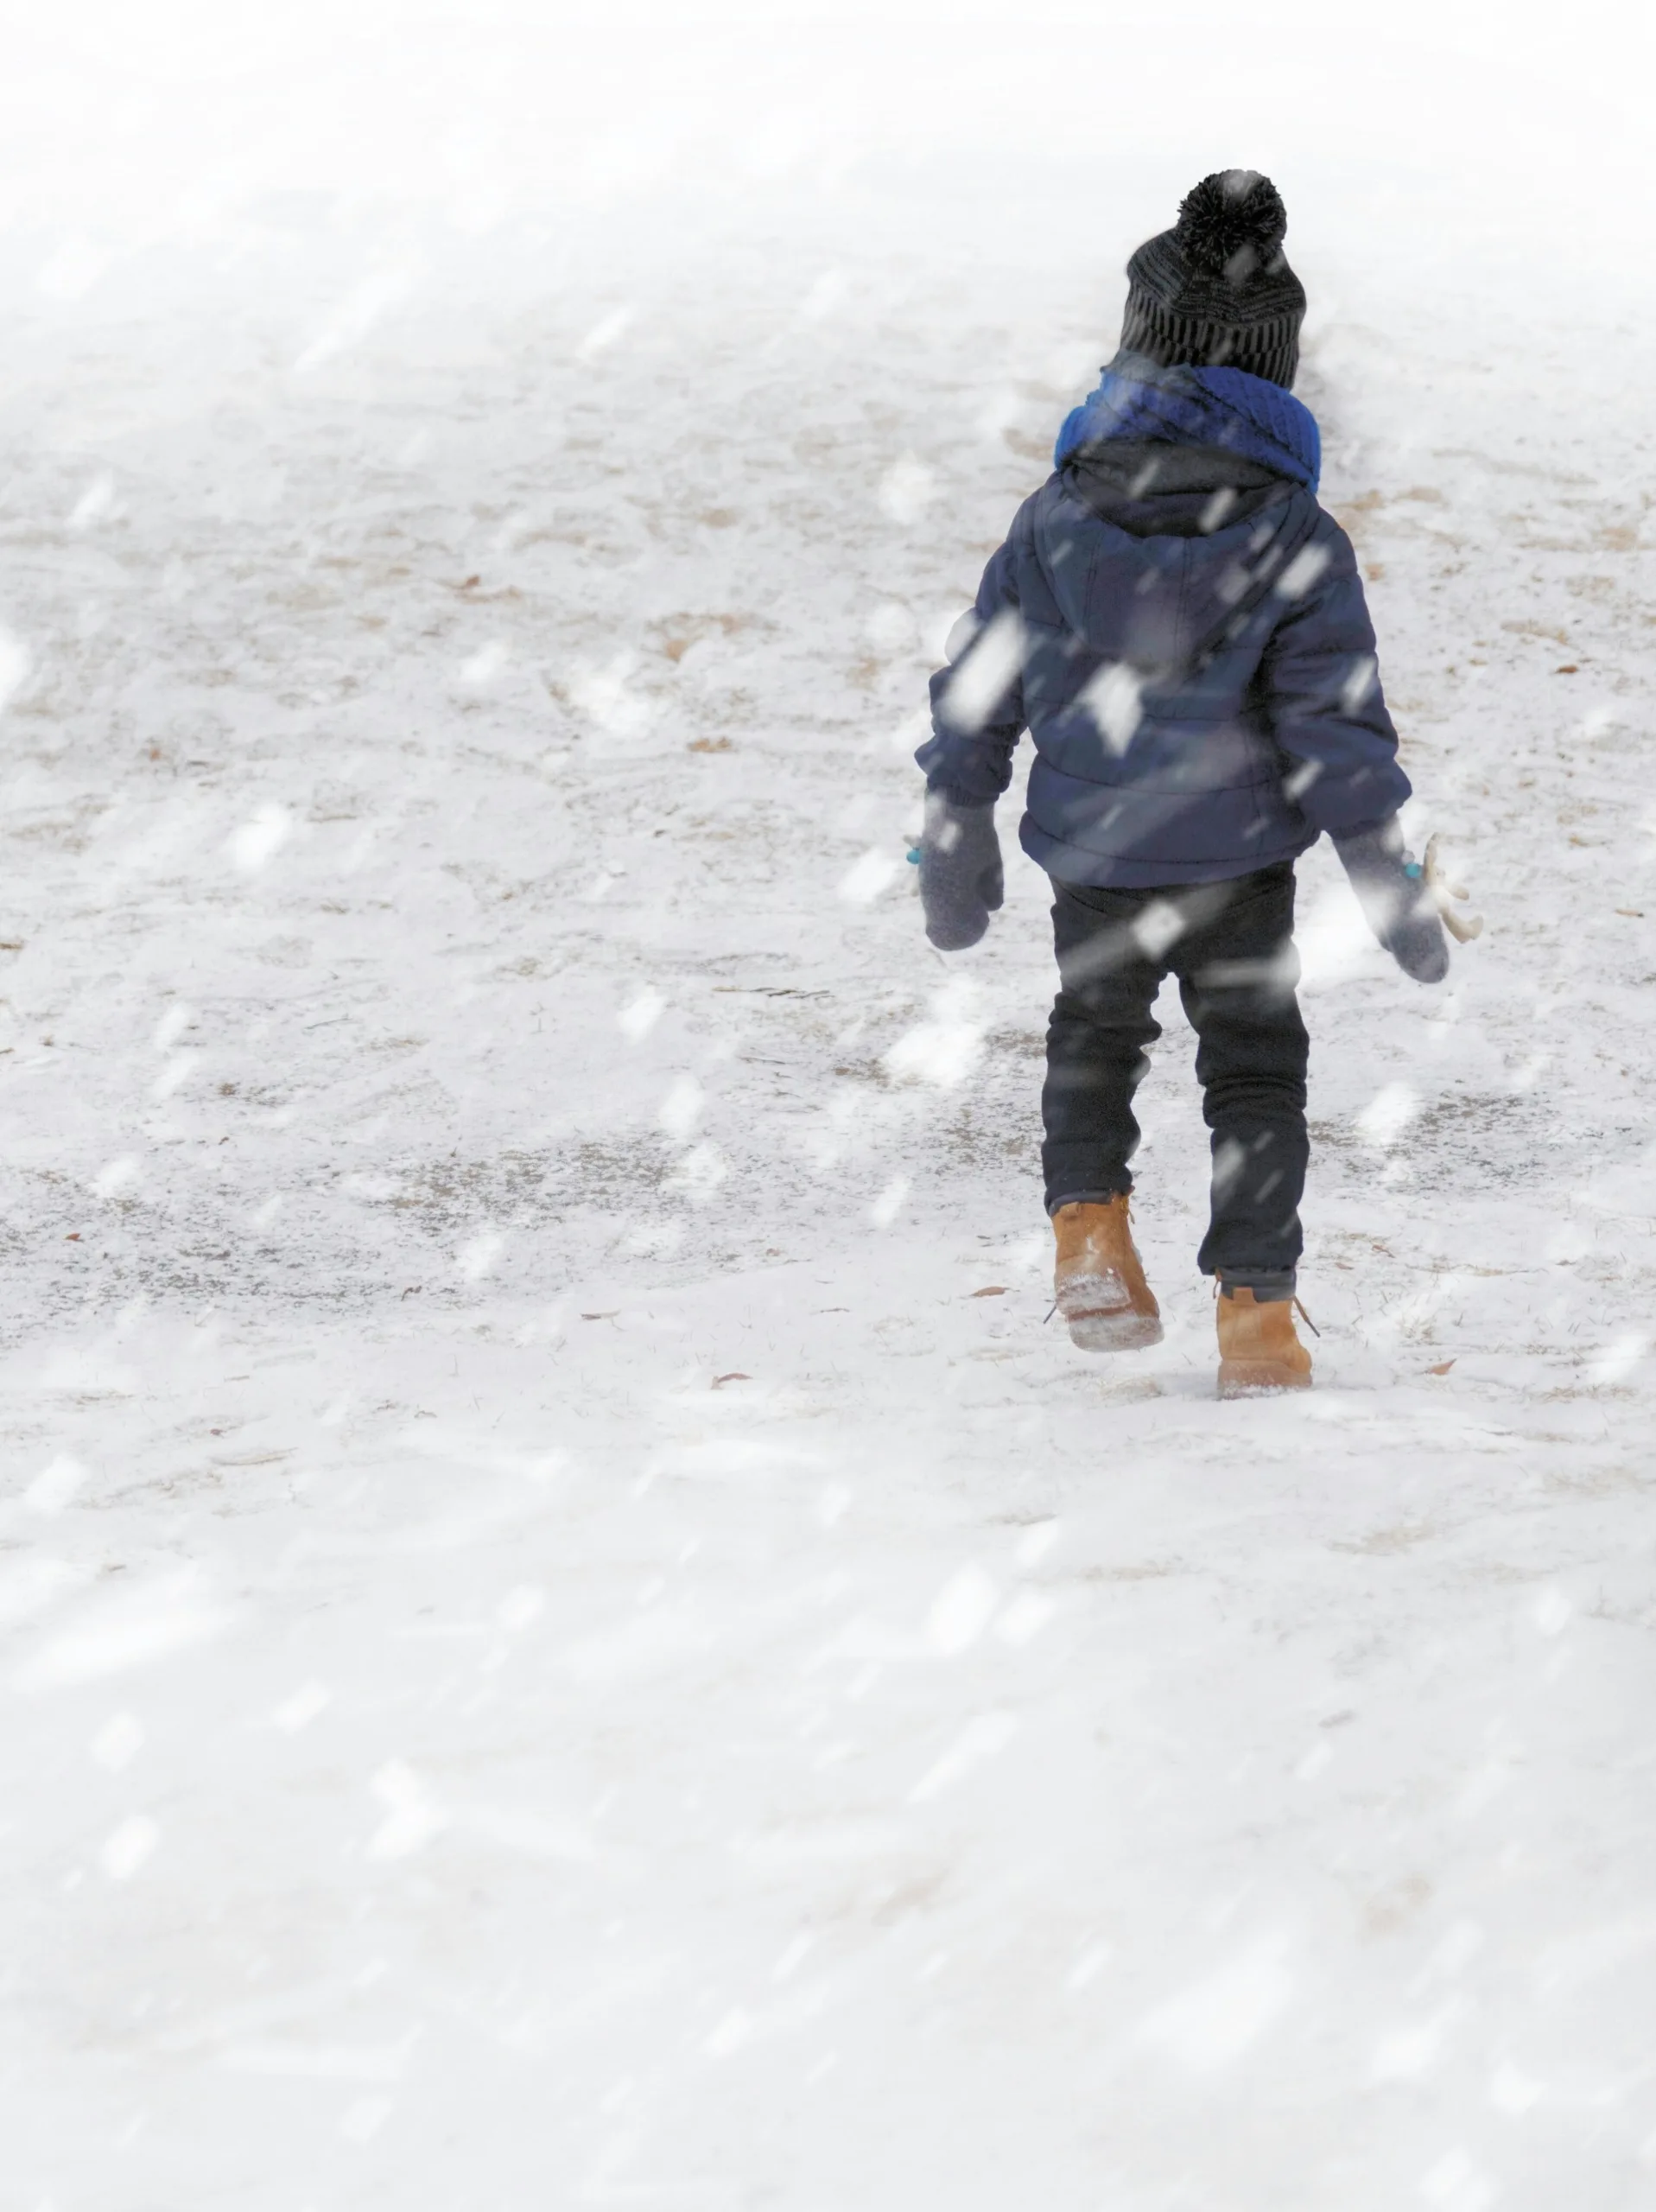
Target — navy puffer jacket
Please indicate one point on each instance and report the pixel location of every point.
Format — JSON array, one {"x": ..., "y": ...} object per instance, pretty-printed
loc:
[{"x": 1184, "y": 633}]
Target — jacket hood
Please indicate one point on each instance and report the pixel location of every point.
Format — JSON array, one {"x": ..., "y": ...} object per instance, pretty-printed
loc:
[
  {"x": 1151, "y": 489},
  {"x": 1165, "y": 601}
]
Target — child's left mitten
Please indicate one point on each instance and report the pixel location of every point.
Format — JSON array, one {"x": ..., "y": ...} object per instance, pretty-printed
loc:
[
  {"x": 961, "y": 880},
  {"x": 1396, "y": 900}
]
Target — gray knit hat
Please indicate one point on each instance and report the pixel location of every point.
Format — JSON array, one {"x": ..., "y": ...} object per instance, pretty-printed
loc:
[{"x": 1216, "y": 290}]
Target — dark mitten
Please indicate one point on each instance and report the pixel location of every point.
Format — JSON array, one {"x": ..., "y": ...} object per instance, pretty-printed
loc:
[
  {"x": 961, "y": 881},
  {"x": 1396, "y": 900}
]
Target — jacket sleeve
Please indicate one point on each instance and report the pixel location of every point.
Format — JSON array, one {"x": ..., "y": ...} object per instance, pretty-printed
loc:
[
  {"x": 977, "y": 699},
  {"x": 1321, "y": 685}
]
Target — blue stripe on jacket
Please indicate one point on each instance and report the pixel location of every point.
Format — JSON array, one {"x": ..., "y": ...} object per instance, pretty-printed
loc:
[{"x": 1136, "y": 399}]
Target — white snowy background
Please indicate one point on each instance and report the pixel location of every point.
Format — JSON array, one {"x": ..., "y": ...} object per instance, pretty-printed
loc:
[{"x": 572, "y": 1639}]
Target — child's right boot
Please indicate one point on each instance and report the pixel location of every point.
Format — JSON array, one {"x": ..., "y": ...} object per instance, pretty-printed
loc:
[
  {"x": 1258, "y": 1347},
  {"x": 1099, "y": 1284}
]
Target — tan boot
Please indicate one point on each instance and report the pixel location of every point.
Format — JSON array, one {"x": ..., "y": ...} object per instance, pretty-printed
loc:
[
  {"x": 1100, "y": 1283},
  {"x": 1259, "y": 1348}
]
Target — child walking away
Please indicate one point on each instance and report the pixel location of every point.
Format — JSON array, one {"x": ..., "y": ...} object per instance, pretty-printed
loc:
[{"x": 1181, "y": 629}]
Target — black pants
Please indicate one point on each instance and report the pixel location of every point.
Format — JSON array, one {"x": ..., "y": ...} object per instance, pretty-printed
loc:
[{"x": 1231, "y": 946}]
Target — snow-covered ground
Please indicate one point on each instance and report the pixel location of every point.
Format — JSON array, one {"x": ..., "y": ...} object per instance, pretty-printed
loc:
[{"x": 571, "y": 1637}]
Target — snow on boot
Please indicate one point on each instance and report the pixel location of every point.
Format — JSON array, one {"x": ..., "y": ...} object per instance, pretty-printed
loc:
[
  {"x": 1100, "y": 1285},
  {"x": 1258, "y": 1349}
]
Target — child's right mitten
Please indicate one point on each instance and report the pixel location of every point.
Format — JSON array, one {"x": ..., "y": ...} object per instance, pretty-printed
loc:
[
  {"x": 961, "y": 882},
  {"x": 1396, "y": 900}
]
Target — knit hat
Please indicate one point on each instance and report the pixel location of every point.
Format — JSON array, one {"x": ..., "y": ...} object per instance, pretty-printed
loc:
[{"x": 1216, "y": 292}]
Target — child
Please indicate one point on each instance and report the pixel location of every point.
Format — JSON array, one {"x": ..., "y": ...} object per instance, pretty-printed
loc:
[{"x": 1182, "y": 628}]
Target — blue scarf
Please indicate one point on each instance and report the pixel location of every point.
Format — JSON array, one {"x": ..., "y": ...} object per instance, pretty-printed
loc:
[{"x": 1184, "y": 406}]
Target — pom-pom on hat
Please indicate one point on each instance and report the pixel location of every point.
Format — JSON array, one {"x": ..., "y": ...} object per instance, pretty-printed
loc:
[{"x": 1216, "y": 292}]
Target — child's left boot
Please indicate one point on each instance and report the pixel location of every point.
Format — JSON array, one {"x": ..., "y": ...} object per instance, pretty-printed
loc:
[{"x": 1259, "y": 1346}]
